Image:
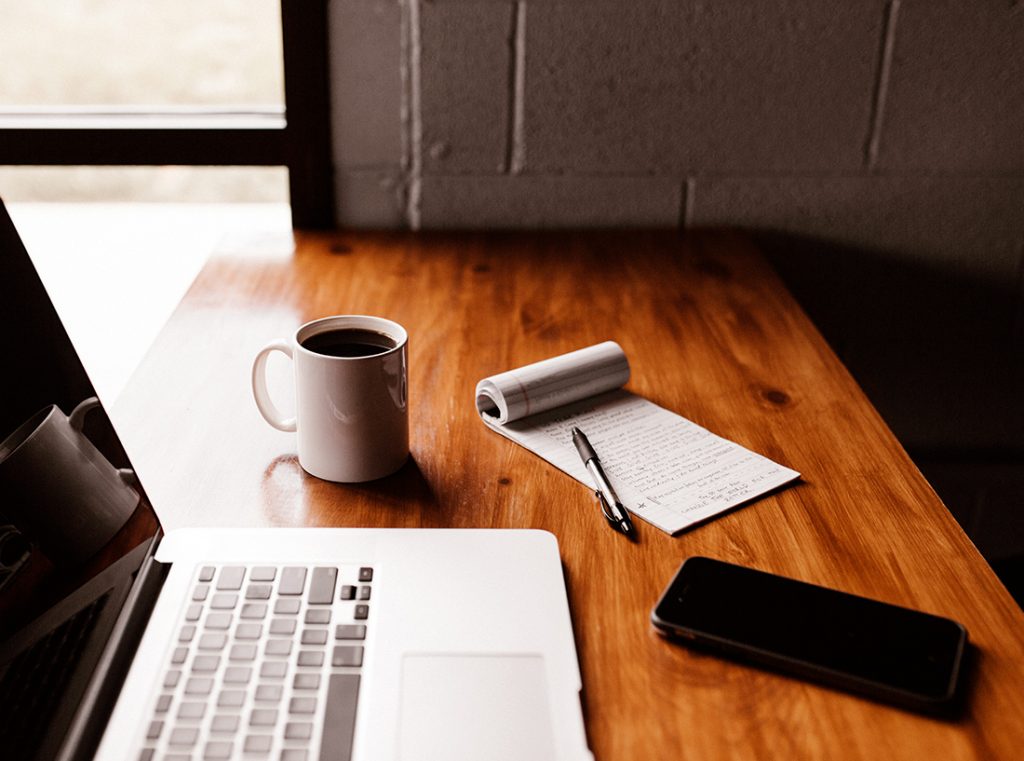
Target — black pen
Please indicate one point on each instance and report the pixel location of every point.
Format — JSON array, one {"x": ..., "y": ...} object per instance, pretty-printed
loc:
[{"x": 613, "y": 510}]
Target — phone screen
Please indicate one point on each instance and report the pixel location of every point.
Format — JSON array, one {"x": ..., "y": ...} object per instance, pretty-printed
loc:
[{"x": 788, "y": 622}]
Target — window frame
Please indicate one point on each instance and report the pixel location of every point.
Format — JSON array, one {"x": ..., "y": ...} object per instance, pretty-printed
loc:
[{"x": 296, "y": 137}]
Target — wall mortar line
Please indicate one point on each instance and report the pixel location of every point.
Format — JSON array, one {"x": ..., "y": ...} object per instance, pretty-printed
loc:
[
  {"x": 878, "y": 103},
  {"x": 516, "y": 146},
  {"x": 415, "y": 117},
  {"x": 1018, "y": 318},
  {"x": 688, "y": 190}
]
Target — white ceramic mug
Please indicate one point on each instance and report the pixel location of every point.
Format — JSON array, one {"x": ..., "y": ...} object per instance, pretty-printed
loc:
[
  {"x": 351, "y": 412},
  {"x": 63, "y": 492}
]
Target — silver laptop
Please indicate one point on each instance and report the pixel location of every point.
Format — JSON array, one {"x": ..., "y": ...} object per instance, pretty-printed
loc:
[{"x": 120, "y": 642}]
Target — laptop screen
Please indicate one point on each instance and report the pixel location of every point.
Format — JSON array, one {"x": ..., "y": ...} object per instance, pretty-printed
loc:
[{"x": 70, "y": 505}]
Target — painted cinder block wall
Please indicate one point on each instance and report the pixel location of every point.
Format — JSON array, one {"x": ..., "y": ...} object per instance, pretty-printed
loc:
[{"x": 875, "y": 147}]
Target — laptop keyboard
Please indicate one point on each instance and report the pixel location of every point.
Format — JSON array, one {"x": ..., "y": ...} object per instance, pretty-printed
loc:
[
  {"x": 35, "y": 680},
  {"x": 266, "y": 663}
]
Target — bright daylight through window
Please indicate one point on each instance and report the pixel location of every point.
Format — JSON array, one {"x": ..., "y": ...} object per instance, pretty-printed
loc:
[{"x": 159, "y": 59}]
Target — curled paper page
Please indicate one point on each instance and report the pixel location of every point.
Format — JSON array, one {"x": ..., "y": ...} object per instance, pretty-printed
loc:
[{"x": 551, "y": 383}]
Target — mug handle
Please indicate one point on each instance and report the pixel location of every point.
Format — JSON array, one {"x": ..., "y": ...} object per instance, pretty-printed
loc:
[
  {"x": 77, "y": 417},
  {"x": 259, "y": 387}
]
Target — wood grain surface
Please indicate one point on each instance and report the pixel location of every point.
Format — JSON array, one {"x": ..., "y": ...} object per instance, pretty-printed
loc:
[{"x": 711, "y": 333}]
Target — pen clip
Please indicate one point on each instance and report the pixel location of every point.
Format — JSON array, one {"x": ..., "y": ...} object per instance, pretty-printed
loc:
[{"x": 606, "y": 509}]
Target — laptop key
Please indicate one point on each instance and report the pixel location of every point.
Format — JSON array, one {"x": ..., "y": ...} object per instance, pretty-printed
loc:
[
  {"x": 172, "y": 679},
  {"x": 206, "y": 573},
  {"x": 201, "y": 592},
  {"x": 321, "y": 587},
  {"x": 302, "y": 705},
  {"x": 311, "y": 658},
  {"x": 187, "y": 633},
  {"x": 364, "y": 592},
  {"x": 339, "y": 717},
  {"x": 163, "y": 703},
  {"x": 217, "y": 749},
  {"x": 282, "y": 626},
  {"x": 286, "y": 606},
  {"x": 155, "y": 728},
  {"x": 213, "y": 641},
  {"x": 269, "y": 693},
  {"x": 347, "y": 655},
  {"x": 197, "y": 685},
  {"x": 183, "y": 736},
  {"x": 237, "y": 675},
  {"x": 263, "y": 717},
  {"x": 298, "y": 730},
  {"x": 231, "y": 698},
  {"x": 218, "y": 620},
  {"x": 224, "y": 601},
  {"x": 350, "y": 631},
  {"x": 263, "y": 573},
  {"x": 231, "y": 577},
  {"x": 258, "y": 592},
  {"x": 294, "y": 754},
  {"x": 314, "y": 637},
  {"x": 147, "y": 754},
  {"x": 318, "y": 616},
  {"x": 277, "y": 647},
  {"x": 362, "y": 612},
  {"x": 205, "y": 663},
  {"x": 191, "y": 710},
  {"x": 258, "y": 743},
  {"x": 306, "y": 682},
  {"x": 179, "y": 655},
  {"x": 365, "y": 574},
  {"x": 254, "y": 610},
  {"x": 225, "y": 723},
  {"x": 348, "y": 592},
  {"x": 273, "y": 670},
  {"x": 248, "y": 631},
  {"x": 193, "y": 612},
  {"x": 293, "y": 581},
  {"x": 243, "y": 652}
]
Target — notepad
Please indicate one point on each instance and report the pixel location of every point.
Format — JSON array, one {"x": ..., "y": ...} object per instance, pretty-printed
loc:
[{"x": 667, "y": 470}]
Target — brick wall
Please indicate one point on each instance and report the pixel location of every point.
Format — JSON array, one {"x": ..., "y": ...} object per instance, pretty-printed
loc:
[{"x": 876, "y": 147}]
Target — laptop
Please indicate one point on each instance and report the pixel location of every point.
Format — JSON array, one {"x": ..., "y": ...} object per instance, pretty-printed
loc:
[{"x": 118, "y": 641}]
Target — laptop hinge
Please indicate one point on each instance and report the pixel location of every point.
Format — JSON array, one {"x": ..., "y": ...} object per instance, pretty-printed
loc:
[{"x": 105, "y": 686}]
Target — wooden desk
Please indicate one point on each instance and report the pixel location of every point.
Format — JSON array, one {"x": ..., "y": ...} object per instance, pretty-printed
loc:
[{"x": 711, "y": 333}]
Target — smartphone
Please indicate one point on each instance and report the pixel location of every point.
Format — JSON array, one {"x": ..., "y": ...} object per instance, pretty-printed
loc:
[{"x": 890, "y": 653}]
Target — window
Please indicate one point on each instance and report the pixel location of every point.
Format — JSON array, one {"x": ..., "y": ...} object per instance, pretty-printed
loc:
[{"x": 227, "y": 83}]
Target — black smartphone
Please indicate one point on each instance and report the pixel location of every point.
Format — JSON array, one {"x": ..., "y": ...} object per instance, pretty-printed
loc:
[{"x": 890, "y": 653}]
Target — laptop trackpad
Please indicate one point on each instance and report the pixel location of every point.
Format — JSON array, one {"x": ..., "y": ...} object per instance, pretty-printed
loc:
[{"x": 471, "y": 707}]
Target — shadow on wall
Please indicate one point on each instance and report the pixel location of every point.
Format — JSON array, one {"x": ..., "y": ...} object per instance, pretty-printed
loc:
[{"x": 939, "y": 352}]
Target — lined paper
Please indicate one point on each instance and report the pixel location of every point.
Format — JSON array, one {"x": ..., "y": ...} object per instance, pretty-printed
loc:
[{"x": 667, "y": 470}]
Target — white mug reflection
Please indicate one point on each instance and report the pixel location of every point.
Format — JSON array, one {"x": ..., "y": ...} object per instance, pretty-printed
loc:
[{"x": 61, "y": 491}]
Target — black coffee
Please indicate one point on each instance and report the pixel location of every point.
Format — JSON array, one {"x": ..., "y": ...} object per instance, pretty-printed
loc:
[{"x": 349, "y": 342}]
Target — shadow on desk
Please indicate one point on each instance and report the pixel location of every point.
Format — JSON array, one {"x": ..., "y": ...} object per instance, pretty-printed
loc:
[
  {"x": 402, "y": 489},
  {"x": 323, "y": 503},
  {"x": 935, "y": 344}
]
